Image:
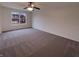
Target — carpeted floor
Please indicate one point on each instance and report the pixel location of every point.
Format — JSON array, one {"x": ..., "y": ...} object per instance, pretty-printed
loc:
[{"x": 35, "y": 43}]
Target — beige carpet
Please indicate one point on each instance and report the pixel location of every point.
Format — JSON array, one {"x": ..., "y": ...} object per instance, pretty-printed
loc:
[{"x": 35, "y": 43}]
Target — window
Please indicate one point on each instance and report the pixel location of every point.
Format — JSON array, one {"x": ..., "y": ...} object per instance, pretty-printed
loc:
[{"x": 18, "y": 18}]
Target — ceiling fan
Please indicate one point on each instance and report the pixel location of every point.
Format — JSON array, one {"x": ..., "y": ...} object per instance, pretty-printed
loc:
[{"x": 31, "y": 6}]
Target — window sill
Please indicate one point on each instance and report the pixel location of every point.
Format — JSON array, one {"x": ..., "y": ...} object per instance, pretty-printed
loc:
[{"x": 19, "y": 24}]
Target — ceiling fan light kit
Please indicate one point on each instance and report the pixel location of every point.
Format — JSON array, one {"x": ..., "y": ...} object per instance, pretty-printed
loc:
[
  {"x": 30, "y": 9},
  {"x": 31, "y": 6}
]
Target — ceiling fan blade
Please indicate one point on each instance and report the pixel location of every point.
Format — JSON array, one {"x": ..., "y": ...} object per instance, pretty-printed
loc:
[
  {"x": 37, "y": 8},
  {"x": 25, "y": 8}
]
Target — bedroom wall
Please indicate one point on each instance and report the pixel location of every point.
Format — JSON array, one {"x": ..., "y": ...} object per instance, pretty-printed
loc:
[
  {"x": 58, "y": 18},
  {"x": 6, "y": 19},
  {"x": 0, "y": 18}
]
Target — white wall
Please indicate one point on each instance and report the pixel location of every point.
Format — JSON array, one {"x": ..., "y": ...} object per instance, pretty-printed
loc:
[
  {"x": 58, "y": 18},
  {"x": 6, "y": 19}
]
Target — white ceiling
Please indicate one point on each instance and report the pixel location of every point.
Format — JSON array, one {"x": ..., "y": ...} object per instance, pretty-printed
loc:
[
  {"x": 21, "y": 5},
  {"x": 14, "y": 5}
]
